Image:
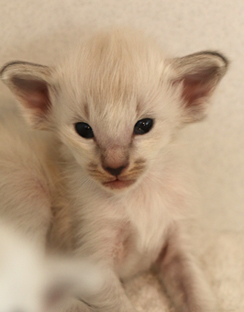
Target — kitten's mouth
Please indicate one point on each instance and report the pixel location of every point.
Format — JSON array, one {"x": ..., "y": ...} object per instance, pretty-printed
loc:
[{"x": 118, "y": 184}]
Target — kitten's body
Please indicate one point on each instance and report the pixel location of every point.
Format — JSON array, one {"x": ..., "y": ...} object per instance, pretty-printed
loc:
[
  {"x": 130, "y": 229},
  {"x": 126, "y": 195}
]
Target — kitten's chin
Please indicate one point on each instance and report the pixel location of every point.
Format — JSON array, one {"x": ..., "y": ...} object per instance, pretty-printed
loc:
[{"x": 118, "y": 184}]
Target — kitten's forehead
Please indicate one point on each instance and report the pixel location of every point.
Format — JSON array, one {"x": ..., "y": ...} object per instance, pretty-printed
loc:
[
  {"x": 111, "y": 62},
  {"x": 114, "y": 66}
]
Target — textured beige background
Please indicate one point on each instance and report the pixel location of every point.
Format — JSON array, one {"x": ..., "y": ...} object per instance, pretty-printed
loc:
[{"x": 39, "y": 31}]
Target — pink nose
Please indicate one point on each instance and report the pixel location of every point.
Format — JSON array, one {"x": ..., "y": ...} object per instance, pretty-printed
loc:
[{"x": 116, "y": 171}]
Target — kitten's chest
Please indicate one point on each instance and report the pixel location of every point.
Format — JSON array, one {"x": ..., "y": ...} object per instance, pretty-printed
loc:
[
  {"x": 128, "y": 230},
  {"x": 143, "y": 239}
]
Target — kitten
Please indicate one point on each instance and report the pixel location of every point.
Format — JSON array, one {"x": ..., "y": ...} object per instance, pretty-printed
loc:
[{"x": 115, "y": 107}]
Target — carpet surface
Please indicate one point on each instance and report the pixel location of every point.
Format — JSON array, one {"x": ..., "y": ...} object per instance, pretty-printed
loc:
[{"x": 41, "y": 30}]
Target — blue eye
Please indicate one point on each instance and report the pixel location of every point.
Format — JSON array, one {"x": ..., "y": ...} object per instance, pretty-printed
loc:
[
  {"x": 143, "y": 126},
  {"x": 84, "y": 130}
]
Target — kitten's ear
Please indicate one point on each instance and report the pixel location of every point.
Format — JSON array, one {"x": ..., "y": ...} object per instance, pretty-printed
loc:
[
  {"x": 31, "y": 84},
  {"x": 199, "y": 74}
]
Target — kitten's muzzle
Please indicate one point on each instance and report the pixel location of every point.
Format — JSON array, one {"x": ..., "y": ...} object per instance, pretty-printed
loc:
[
  {"x": 119, "y": 175},
  {"x": 121, "y": 180}
]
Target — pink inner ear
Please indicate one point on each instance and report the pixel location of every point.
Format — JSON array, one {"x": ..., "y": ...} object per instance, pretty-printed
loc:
[
  {"x": 34, "y": 93},
  {"x": 199, "y": 85},
  {"x": 37, "y": 100},
  {"x": 193, "y": 91}
]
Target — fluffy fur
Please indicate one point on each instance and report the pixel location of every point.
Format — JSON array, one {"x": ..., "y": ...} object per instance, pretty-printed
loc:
[{"x": 132, "y": 222}]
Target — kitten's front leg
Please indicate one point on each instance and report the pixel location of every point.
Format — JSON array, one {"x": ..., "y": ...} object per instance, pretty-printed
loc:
[
  {"x": 181, "y": 276},
  {"x": 100, "y": 290},
  {"x": 111, "y": 296}
]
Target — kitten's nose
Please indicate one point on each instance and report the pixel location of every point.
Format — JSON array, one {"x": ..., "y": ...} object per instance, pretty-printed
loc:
[{"x": 116, "y": 171}]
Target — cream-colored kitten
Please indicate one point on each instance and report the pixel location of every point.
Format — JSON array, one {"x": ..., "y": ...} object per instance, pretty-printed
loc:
[{"x": 115, "y": 107}]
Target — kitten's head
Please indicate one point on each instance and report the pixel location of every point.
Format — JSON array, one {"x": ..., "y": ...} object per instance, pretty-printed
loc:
[{"x": 116, "y": 102}]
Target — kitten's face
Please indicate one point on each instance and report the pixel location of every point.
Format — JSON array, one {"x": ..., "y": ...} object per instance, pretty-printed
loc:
[
  {"x": 117, "y": 147},
  {"x": 117, "y": 116}
]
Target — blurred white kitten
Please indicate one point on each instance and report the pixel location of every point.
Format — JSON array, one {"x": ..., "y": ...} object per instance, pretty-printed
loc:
[
  {"x": 22, "y": 273},
  {"x": 31, "y": 281},
  {"x": 113, "y": 110}
]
